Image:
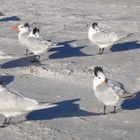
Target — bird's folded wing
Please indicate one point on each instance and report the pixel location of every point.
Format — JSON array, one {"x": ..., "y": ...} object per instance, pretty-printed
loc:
[
  {"x": 117, "y": 86},
  {"x": 103, "y": 38},
  {"x": 36, "y": 44}
]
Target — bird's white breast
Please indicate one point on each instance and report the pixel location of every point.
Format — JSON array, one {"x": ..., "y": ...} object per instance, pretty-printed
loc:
[{"x": 106, "y": 95}]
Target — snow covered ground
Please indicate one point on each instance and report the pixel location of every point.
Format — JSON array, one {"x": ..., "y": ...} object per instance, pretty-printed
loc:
[{"x": 65, "y": 73}]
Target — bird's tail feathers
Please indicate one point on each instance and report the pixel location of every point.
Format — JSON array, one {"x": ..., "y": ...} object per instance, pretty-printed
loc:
[
  {"x": 125, "y": 36},
  {"x": 49, "y": 43},
  {"x": 44, "y": 105},
  {"x": 127, "y": 96}
]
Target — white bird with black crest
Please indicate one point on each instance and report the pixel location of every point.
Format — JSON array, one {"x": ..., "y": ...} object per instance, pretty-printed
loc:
[
  {"x": 107, "y": 91},
  {"x": 13, "y": 104},
  {"x": 24, "y": 31},
  {"x": 101, "y": 38},
  {"x": 36, "y": 44},
  {"x": 32, "y": 40}
]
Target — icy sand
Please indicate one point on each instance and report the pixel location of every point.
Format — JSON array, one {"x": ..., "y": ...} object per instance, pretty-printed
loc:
[{"x": 65, "y": 73}]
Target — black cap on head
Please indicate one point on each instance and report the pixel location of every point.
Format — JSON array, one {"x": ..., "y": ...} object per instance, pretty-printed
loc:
[
  {"x": 97, "y": 69},
  {"x": 26, "y": 25},
  {"x": 94, "y": 24},
  {"x": 35, "y": 30}
]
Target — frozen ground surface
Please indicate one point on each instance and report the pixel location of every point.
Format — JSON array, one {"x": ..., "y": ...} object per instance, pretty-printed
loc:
[{"x": 65, "y": 73}]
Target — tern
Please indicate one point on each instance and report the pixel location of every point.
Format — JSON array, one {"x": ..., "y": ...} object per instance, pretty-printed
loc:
[
  {"x": 14, "y": 104},
  {"x": 32, "y": 40},
  {"x": 24, "y": 31},
  {"x": 36, "y": 44},
  {"x": 103, "y": 39},
  {"x": 107, "y": 91}
]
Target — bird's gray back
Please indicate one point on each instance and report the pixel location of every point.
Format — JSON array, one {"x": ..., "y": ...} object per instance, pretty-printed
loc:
[
  {"x": 102, "y": 38},
  {"x": 36, "y": 44},
  {"x": 117, "y": 86}
]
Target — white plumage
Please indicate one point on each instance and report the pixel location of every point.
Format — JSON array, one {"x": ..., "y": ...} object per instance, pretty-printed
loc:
[
  {"x": 32, "y": 40},
  {"x": 13, "y": 104},
  {"x": 36, "y": 44},
  {"x": 102, "y": 39},
  {"x": 107, "y": 91},
  {"x": 24, "y": 31}
]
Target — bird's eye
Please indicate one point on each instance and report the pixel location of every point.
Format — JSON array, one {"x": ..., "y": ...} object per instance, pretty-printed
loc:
[{"x": 99, "y": 77}]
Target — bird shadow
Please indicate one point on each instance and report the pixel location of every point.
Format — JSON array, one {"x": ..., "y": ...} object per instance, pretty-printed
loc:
[
  {"x": 7, "y": 79},
  {"x": 125, "y": 46},
  {"x": 67, "y": 108},
  {"x": 21, "y": 62},
  {"x": 12, "y": 18},
  {"x": 66, "y": 50},
  {"x": 132, "y": 103}
]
